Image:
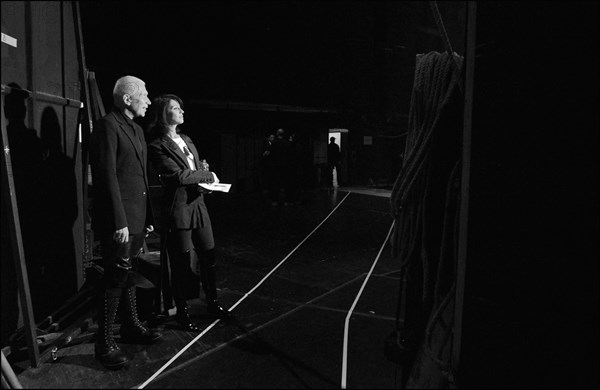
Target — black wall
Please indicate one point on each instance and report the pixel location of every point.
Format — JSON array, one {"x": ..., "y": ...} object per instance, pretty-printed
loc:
[{"x": 531, "y": 310}]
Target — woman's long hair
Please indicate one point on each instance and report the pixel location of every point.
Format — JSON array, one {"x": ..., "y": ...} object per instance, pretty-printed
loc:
[{"x": 159, "y": 124}]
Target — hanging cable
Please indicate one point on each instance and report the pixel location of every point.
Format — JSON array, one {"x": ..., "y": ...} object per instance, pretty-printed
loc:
[
  {"x": 423, "y": 211},
  {"x": 442, "y": 30}
]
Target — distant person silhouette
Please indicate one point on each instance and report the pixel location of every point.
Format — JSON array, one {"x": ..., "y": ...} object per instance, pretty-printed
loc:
[
  {"x": 333, "y": 161},
  {"x": 296, "y": 169},
  {"x": 280, "y": 158},
  {"x": 266, "y": 166}
]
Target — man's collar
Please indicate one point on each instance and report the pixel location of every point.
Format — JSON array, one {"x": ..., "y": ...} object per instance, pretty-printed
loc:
[{"x": 121, "y": 114}]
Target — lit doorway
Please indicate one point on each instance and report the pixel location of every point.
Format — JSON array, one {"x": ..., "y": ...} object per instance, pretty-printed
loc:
[{"x": 340, "y": 136}]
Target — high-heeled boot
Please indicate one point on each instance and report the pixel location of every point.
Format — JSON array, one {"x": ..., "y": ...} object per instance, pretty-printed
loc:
[
  {"x": 209, "y": 285},
  {"x": 105, "y": 348},
  {"x": 132, "y": 329},
  {"x": 183, "y": 318},
  {"x": 179, "y": 267}
]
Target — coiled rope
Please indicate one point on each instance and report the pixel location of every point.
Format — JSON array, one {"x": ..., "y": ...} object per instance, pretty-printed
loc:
[{"x": 424, "y": 197}]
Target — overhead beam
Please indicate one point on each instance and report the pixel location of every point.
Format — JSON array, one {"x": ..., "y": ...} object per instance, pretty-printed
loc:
[{"x": 251, "y": 106}]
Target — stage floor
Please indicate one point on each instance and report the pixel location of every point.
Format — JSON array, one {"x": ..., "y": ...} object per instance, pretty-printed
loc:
[{"x": 313, "y": 288}]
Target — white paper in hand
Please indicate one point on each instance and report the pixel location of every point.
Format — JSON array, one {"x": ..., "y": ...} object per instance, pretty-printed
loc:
[{"x": 223, "y": 187}]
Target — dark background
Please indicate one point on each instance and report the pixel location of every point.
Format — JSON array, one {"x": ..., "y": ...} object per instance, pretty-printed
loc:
[
  {"x": 332, "y": 55},
  {"x": 352, "y": 60}
]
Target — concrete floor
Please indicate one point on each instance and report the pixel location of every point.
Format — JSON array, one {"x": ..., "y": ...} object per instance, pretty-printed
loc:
[{"x": 290, "y": 275}]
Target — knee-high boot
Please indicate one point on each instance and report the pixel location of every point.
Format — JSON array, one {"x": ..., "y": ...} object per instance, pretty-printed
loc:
[
  {"x": 132, "y": 329},
  {"x": 106, "y": 349},
  {"x": 179, "y": 269},
  {"x": 209, "y": 284}
]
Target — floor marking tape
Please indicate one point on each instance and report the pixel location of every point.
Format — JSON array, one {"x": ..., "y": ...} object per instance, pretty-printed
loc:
[
  {"x": 347, "y": 322},
  {"x": 167, "y": 364}
]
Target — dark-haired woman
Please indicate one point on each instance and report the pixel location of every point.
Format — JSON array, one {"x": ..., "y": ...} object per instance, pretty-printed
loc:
[{"x": 185, "y": 223}]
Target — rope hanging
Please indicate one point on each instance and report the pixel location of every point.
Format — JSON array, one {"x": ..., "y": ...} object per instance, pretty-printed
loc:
[
  {"x": 442, "y": 29},
  {"x": 432, "y": 88},
  {"x": 425, "y": 196}
]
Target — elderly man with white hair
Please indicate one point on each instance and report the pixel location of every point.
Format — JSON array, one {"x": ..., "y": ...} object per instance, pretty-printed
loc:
[{"x": 121, "y": 215}]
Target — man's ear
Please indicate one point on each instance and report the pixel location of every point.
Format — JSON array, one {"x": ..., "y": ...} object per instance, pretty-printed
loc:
[{"x": 127, "y": 99}]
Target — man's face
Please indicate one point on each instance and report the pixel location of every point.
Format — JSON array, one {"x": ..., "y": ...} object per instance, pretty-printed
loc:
[{"x": 139, "y": 101}]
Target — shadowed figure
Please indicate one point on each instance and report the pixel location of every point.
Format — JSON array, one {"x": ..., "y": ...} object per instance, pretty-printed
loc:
[
  {"x": 58, "y": 212},
  {"x": 40, "y": 168},
  {"x": 25, "y": 159}
]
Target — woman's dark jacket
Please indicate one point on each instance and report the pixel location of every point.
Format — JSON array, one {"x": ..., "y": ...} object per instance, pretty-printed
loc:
[{"x": 183, "y": 204}]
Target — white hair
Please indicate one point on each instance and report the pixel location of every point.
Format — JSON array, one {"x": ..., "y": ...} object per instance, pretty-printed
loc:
[{"x": 126, "y": 85}]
